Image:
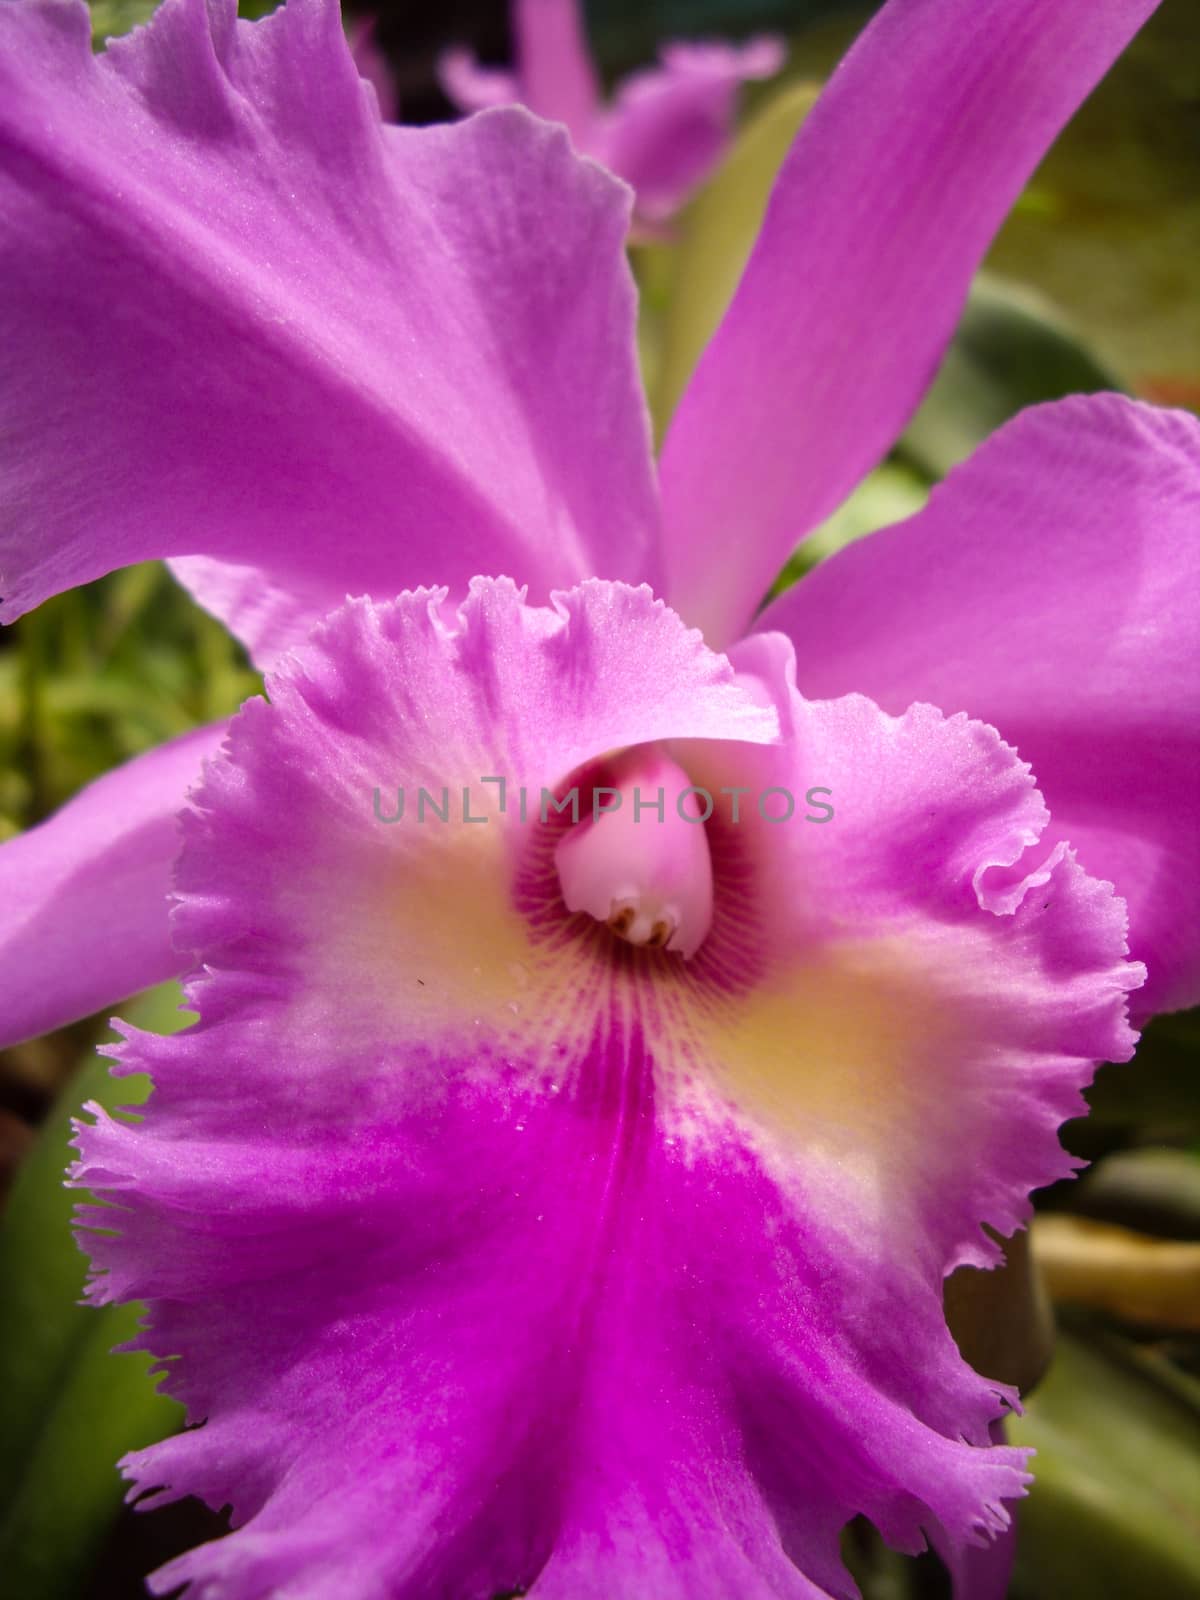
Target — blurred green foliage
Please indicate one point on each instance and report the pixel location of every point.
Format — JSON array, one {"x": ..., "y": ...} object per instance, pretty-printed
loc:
[
  {"x": 70, "y": 1409},
  {"x": 1115, "y": 1508},
  {"x": 98, "y": 675},
  {"x": 114, "y": 17}
]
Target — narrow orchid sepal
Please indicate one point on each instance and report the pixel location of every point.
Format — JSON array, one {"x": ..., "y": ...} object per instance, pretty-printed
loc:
[
  {"x": 84, "y": 896},
  {"x": 900, "y": 176},
  {"x": 557, "y": 76}
]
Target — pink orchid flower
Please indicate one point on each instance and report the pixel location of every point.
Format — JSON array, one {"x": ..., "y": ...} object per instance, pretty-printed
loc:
[
  {"x": 547, "y": 1205},
  {"x": 667, "y": 127}
]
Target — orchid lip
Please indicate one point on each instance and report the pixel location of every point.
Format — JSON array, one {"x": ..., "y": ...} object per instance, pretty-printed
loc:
[{"x": 642, "y": 867}]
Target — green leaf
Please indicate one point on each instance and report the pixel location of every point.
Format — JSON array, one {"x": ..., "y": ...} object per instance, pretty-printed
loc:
[
  {"x": 1115, "y": 1505},
  {"x": 113, "y": 17},
  {"x": 59, "y": 1516},
  {"x": 889, "y": 494},
  {"x": 1011, "y": 350},
  {"x": 70, "y": 1409}
]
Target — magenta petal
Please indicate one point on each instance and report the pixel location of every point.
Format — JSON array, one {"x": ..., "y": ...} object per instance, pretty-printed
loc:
[
  {"x": 472, "y": 87},
  {"x": 984, "y": 1572},
  {"x": 554, "y": 66},
  {"x": 1052, "y": 588},
  {"x": 898, "y": 180},
  {"x": 83, "y": 897},
  {"x": 669, "y": 126},
  {"x": 355, "y": 357},
  {"x": 500, "y": 1255}
]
